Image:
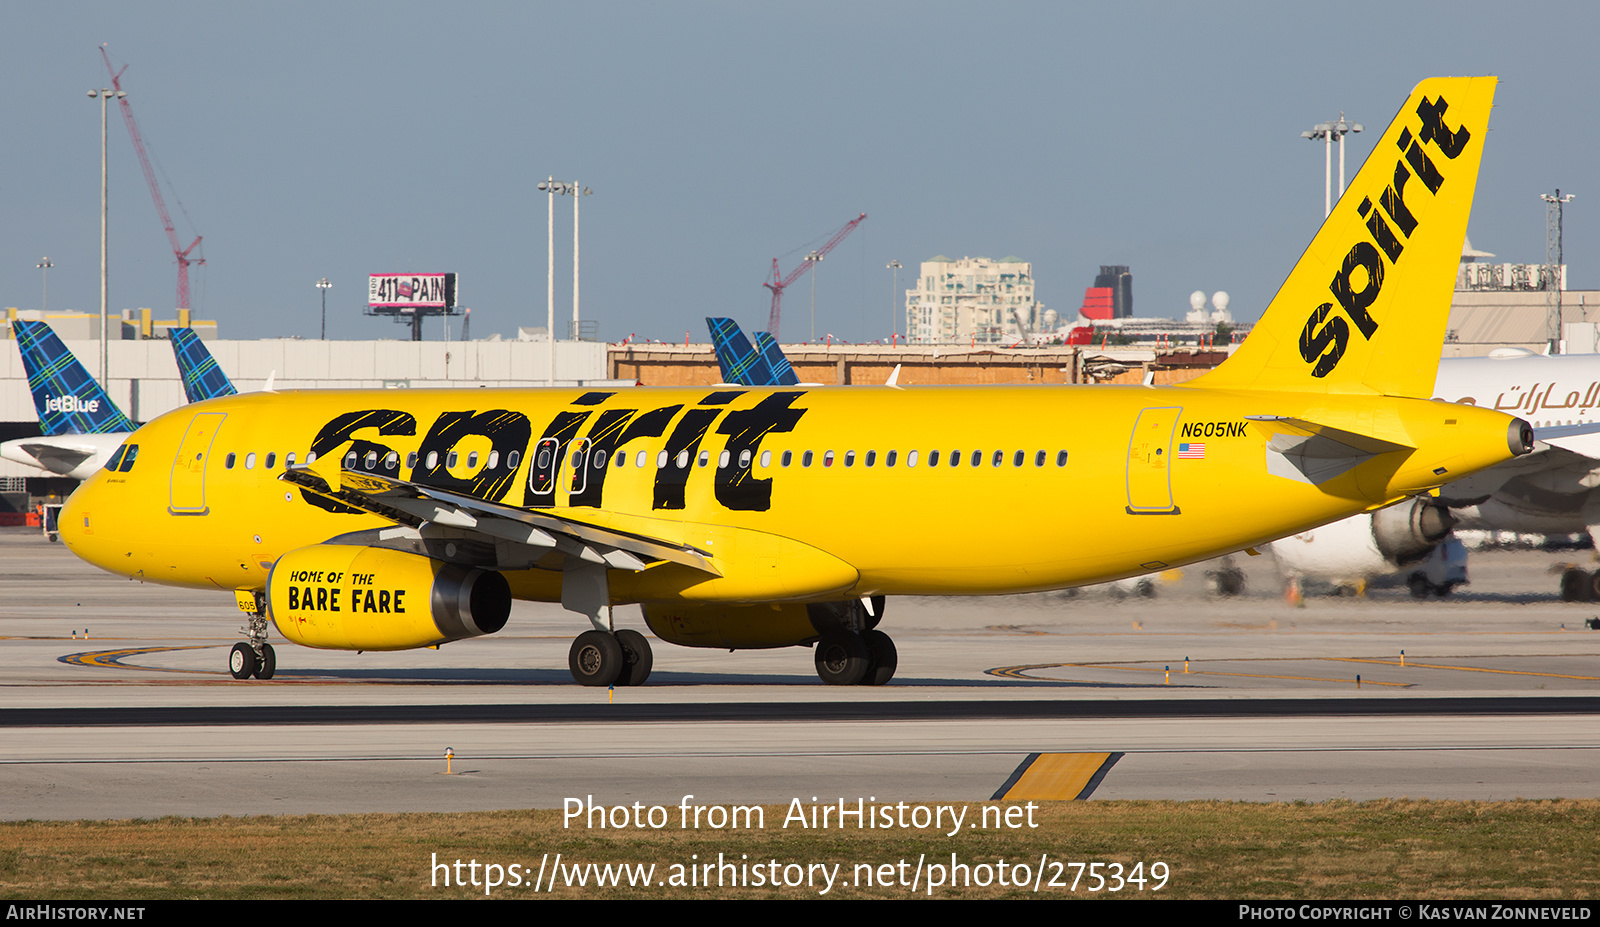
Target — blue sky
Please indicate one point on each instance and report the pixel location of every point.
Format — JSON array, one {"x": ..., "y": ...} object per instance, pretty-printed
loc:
[{"x": 340, "y": 139}]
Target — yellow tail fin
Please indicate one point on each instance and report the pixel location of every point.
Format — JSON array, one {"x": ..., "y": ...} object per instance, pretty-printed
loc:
[{"x": 1364, "y": 310}]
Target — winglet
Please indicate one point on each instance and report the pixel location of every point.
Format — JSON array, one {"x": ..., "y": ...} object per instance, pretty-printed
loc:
[{"x": 1364, "y": 310}]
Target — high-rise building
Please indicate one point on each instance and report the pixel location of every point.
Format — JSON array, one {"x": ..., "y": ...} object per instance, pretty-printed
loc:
[
  {"x": 974, "y": 299},
  {"x": 1119, "y": 281}
]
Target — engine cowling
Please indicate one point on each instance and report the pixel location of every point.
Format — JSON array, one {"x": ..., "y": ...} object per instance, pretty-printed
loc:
[
  {"x": 346, "y": 597},
  {"x": 1366, "y": 544}
]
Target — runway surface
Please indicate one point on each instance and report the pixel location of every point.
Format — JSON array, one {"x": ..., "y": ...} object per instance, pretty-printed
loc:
[{"x": 117, "y": 704}]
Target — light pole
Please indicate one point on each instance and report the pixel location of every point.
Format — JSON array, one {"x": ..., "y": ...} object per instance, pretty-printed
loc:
[
  {"x": 1328, "y": 131},
  {"x": 551, "y": 188},
  {"x": 814, "y": 258},
  {"x": 578, "y": 193},
  {"x": 324, "y": 286},
  {"x": 44, "y": 267},
  {"x": 104, "y": 94},
  {"x": 1552, "y": 264},
  {"x": 894, "y": 288}
]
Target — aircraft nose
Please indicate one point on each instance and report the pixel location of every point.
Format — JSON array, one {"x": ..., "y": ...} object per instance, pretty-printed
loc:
[{"x": 76, "y": 523}]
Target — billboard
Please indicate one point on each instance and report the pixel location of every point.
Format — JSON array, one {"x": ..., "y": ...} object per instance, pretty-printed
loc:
[{"x": 411, "y": 291}]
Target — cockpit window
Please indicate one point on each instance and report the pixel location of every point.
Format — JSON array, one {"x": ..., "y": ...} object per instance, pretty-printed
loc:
[
  {"x": 128, "y": 458},
  {"x": 116, "y": 459}
]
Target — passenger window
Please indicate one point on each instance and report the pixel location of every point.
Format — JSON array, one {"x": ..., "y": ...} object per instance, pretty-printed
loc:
[
  {"x": 999, "y": 457},
  {"x": 288, "y": 459},
  {"x": 250, "y": 461},
  {"x": 705, "y": 458},
  {"x": 1038, "y": 459},
  {"x": 311, "y": 457},
  {"x": 472, "y": 459},
  {"x": 888, "y": 461},
  {"x": 228, "y": 461},
  {"x": 683, "y": 460},
  {"x": 722, "y": 460},
  {"x": 872, "y": 457},
  {"x": 661, "y": 461},
  {"x": 766, "y": 459},
  {"x": 1061, "y": 458},
  {"x": 349, "y": 460},
  {"x": 511, "y": 461},
  {"x": 272, "y": 458},
  {"x": 542, "y": 475},
  {"x": 805, "y": 459},
  {"x": 788, "y": 458},
  {"x": 977, "y": 458},
  {"x": 580, "y": 473},
  {"x": 450, "y": 461},
  {"x": 599, "y": 460},
  {"x": 411, "y": 460},
  {"x": 391, "y": 460},
  {"x": 1016, "y": 459},
  {"x": 933, "y": 458},
  {"x": 955, "y": 459},
  {"x": 827, "y": 458},
  {"x": 744, "y": 460},
  {"x": 494, "y": 459},
  {"x": 849, "y": 458},
  {"x": 433, "y": 460},
  {"x": 911, "y": 458},
  {"x": 369, "y": 461},
  {"x": 127, "y": 462}
]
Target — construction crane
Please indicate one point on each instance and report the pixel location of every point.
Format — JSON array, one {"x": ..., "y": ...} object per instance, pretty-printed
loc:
[
  {"x": 779, "y": 282},
  {"x": 181, "y": 253}
]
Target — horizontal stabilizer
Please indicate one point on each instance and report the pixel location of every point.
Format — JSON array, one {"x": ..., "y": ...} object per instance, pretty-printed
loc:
[{"x": 1313, "y": 453}]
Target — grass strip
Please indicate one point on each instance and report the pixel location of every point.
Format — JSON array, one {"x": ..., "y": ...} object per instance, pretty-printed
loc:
[{"x": 1234, "y": 850}]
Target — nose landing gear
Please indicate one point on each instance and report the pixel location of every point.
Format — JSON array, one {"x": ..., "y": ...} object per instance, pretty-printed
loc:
[{"x": 254, "y": 656}]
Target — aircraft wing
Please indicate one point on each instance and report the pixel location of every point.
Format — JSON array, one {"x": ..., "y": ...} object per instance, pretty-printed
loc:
[
  {"x": 1581, "y": 439},
  {"x": 414, "y": 504}
]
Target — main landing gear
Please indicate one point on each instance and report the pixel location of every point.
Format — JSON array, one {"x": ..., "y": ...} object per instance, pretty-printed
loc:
[
  {"x": 253, "y": 657},
  {"x": 845, "y": 658},
  {"x": 606, "y": 658},
  {"x": 852, "y": 651},
  {"x": 1579, "y": 585}
]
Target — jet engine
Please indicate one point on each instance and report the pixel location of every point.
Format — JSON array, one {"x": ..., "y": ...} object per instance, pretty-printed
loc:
[
  {"x": 346, "y": 597},
  {"x": 1357, "y": 547}
]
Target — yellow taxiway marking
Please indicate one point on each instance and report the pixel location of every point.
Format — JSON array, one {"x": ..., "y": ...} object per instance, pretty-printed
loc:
[
  {"x": 1411, "y": 664},
  {"x": 1021, "y": 672},
  {"x": 1057, "y": 776},
  {"x": 112, "y": 659}
]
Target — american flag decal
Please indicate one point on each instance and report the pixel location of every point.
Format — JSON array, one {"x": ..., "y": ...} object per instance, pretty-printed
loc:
[{"x": 1192, "y": 451}]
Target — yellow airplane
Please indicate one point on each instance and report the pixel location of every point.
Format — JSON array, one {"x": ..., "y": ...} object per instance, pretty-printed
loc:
[{"x": 775, "y": 517}]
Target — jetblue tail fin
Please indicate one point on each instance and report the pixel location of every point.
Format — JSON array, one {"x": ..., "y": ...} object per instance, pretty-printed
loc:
[
  {"x": 745, "y": 365},
  {"x": 1364, "y": 310},
  {"x": 69, "y": 400},
  {"x": 782, "y": 373},
  {"x": 202, "y": 378}
]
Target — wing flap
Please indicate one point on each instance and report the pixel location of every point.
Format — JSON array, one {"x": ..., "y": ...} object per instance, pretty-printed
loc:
[{"x": 414, "y": 505}]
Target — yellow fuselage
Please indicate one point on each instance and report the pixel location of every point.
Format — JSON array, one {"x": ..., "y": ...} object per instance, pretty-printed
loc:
[{"x": 1071, "y": 485}]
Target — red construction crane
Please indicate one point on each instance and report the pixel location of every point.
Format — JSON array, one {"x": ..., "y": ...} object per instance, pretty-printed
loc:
[
  {"x": 778, "y": 283},
  {"x": 178, "y": 251}
]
